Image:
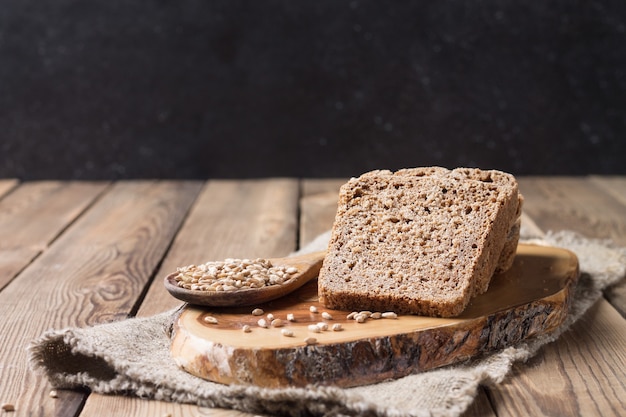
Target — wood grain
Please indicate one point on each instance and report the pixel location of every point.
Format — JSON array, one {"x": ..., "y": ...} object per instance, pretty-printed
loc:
[
  {"x": 315, "y": 211},
  {"x": 121, "y": 406},
  {"x": 582, "y": 373},
  {"x": 7, "y": 185},
  {"x": 529, "y": 228},
  {"x": 33, "y": 215},
  {"x": 582, "y": 205},
  {"x": 615, "y": 186},
  {"x": 312, "y": 186},
  {"x": 255, "y": 218},
  {"x": 481, "y": 406},
  {"x": 571, "y": 377},
  {"x": 573, "y": 203},
  {"x": 95, "y": 272},
  {"x": 318, "y": 206}
]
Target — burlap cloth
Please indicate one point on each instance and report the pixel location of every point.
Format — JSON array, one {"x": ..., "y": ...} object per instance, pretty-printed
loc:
[{"x": 131, "y": 357}]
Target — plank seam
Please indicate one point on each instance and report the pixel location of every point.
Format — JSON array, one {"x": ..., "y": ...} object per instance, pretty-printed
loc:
[
  {"x": 146, "y": 288},
  {"x": 53, "y": 238},
  {"x": 18, "y": 272},
  {"x": 490, "y": 398},
  {"x": 78, "y": 216},
  {"x": 11, "y": 190}
]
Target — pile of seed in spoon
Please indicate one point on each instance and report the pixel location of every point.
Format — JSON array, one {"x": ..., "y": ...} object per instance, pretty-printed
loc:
[{"x": 233, "y": 274}]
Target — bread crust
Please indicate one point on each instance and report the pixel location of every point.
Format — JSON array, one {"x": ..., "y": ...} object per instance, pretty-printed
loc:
[{"x": 420, "y": 240}]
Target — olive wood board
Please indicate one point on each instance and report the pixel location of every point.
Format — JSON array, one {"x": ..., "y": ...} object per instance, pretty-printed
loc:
[{"x": 532, "y": 298}]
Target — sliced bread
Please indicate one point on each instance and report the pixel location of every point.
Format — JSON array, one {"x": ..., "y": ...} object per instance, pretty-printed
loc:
[{"x": 421, "y": 240}]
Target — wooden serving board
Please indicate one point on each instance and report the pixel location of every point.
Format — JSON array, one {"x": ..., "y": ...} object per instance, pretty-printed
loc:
[{"x": 530, "y": 299}]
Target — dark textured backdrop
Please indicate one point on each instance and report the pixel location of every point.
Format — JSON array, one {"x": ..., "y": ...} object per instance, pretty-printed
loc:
[{"x": 200, "y": 88}]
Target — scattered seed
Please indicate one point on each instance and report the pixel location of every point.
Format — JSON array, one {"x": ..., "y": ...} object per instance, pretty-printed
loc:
[
  {"x": 314, "y": 328},
  {"x": 53, "y": 394},
  {"x": 270, "y": 317},
  {"x": 337, "y": 327},
  {"x": 246, "y": 328},
  {"x": 262, "y": 323},
  {"x": 389, "y": 315},
  {"x": 366, "y": 313},
  {"x": 310, "y": 340},
  {"x": 313, "y": 309},
  {"x": 210, "y": 319},
  {"x": 291, "y": 317},
  {"x": 258, "y": 312},
  {"x": 8, "y": 407},
  {"x": 287, "y": 333},
  {"x": 351, "y": 315},
  {"x": 323, "y": 326},
  {"x": 277, "y": 323},
  {"x": 326, "y": 315},
  {"x": 377, "y": 315},
  {"x": 360, "y": 318}
]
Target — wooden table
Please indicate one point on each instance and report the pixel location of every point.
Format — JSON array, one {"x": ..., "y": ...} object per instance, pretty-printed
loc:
[{"x": 81, "y": 253}]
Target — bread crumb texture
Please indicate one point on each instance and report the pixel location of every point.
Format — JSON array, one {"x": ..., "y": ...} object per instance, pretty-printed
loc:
[{"x": 419, "y": 241}]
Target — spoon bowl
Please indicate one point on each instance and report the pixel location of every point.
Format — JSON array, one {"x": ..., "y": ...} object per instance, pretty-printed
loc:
[{"x": 308, "y": 266}]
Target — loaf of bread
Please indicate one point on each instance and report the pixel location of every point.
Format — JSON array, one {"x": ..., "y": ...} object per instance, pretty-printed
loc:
[{"x": 421, "y": 240}]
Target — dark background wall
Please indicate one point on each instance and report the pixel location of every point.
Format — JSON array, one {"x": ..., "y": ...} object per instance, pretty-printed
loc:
[{"x": 197, "y": 88}]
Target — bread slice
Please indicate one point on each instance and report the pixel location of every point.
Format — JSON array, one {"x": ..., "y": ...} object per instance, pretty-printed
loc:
[{"x": 421, "y": 240}]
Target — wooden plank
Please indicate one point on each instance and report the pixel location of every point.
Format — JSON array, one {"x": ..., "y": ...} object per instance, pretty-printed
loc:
[
  {"x": 594, "y": 207},
  {"x": 12, "y": 261},
  {"x": 93, "y": 273},
  {"x": 529, "y": 227},
  {"x": 36, "y": 212},
  {"x": 577, "y": 204},
  {"x": 253, "y": 218},
  {"x": 616, "y": 186},
  {"x": 7, "y": 185},
  {"x": 583, "y": 374},
  {"x": 311, "y": 186},
  {"x": 120, "y": 406},
  {"x": 33, "y": 215},
  {"x": 318, "y": 206},
  {"x": 481, "y": 406}
]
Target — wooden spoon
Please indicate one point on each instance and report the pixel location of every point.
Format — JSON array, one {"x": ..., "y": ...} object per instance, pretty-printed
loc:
[{"x": 308, "y": 266}]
